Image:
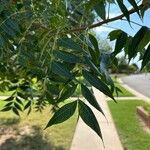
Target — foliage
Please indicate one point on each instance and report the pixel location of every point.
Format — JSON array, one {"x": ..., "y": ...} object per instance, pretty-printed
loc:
[
  {"x": 131, "y": 132},
  {"x": 124, "y": 67},
  {"x": 146, "y": 106},
  {"x": 46, "y": 45},
  {"x": 121, "y": 91}
]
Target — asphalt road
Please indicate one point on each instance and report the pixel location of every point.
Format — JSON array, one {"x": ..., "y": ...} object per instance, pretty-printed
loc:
[{"x": 140, "y": 83}]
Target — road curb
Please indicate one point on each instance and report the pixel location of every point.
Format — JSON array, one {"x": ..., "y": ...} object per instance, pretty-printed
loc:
[{"x": 136, "y": 93}]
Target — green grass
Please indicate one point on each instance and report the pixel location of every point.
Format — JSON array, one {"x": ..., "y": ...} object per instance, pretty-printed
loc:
[
  {"x": 125, "y": 92},
  {"x": 132, "y": 135},
  {"x": 57, "y": 137},
  {"x": 6, "y": 93},
  {"x": 147, "y": 107}
]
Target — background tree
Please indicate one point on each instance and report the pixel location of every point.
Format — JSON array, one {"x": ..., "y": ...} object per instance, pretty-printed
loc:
[
  {"x": 124, "y": 67},
  {"x": 46, "y": 45}
]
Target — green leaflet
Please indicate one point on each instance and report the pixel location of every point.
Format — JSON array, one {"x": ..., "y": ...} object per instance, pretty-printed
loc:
[
  {"x": 91, "y": 65},
  {"x": 67, "y": 57},
  {"x": 15, "y": 111},
  {"x": 52, "y": 89},
  {"x": 6, "y": 29},
  {"x": 121, "y": 41},
  {"x": 146, "y": 57},
  {"x": 21, "y": 95},
  {"x": 94, "y": 42},
  {"x": 13, "y": 25},
  {"x": 66, "y": 92},
  {"x": 100, "y": 9},
  {"x": 143, "y": 10},
  {"x": 7, "y": 108},
  {"x": 117, "y": 91},
  {"x": 89, "y": 118},
  {"x": 9, "y": 104},
  {"x": 90, "y": 98},
  {"x": 10, "y": 27},
  {"x": 2, "y": 41},
  {"x": 49, "y": 97},
  {"x": 61, "y": 70},
  {"x": 124, "y": 9},
  {"x": 19, "y": 101},
  {"x": 126, "y": 47},
  {"x": 17, "y": 106},
  {"x": 106, "y": 61},
  {"x": 97, "y": 83},
  {"x": 90, "y": 4},
  {"x": 69, "y": 44},
  {"x": 94, "y": 57},
  {"x": 94, "y": 52},
  {"x": 133, "y": 46},
  {"x": 2, "y": 7},
  {"x": 144, "y": 41},
  {"x": 113, "y": 35},
  {"x": 135, "y": 6},
  {"x": 11, "y": 98},
  {"x": 62, "y": 114},
  {"x": 27, "y": 105}
]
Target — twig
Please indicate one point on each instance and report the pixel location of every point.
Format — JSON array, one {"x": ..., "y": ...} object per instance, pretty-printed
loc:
[
  {"x": 104, "y": 21},
  {"x": 85, "y": 27}
]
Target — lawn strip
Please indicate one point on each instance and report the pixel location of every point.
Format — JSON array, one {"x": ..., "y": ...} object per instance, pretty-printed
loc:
[{"x": 131, "y": 132}]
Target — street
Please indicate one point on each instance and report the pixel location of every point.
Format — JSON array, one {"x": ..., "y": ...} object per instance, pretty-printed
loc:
[{"x": 139, "y": 82}]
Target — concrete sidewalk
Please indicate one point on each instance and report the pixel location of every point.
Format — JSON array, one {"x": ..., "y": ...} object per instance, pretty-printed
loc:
[{"x": 86, "y": 139}]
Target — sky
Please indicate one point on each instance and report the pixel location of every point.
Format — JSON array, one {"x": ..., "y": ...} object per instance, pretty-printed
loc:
[
  {"x": 124, "y": 25},
  {"x": 103, "y": 31}
]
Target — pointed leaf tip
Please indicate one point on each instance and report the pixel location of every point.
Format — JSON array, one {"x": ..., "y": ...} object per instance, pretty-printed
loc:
[
  {"x": 64, "y": 113},
  {"x": 89, "y": 118}
]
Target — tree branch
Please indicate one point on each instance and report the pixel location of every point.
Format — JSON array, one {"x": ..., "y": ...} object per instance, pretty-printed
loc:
[
  {"x": 104, "y": 21},
  {"x": 85, "y": 27}
]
